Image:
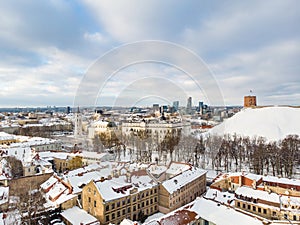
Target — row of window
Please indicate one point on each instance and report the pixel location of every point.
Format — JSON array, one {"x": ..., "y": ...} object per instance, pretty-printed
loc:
[
  {"x": 155, "y": 131},
  {"x": 191, "y": 186},
  {"x": 124, "y": 212},
  {"x": 252, "y": 207},
  {"x": 112, "y": 206},
  {"x": 264, "y": 211}
]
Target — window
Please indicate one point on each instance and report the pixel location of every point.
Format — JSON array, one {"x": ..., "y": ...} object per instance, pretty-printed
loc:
[
  {"x": 249, "y": 207},
  {"x": 238, "y": 204},
  {"x": 113, "y": 216},
  {"x": 95, "y": 203},
  {"x": 118, "y": 214},
  {"x": 107, "y": 218},
  {"x": 113, "y": 205},
  {"x": 134, "y": 208},
  {"x": 89, "y": 199},
  {"x": 265, "y": 211},
  {"x": 254, "y": 208},
  {"x": 259, "y": 209},
  {"x": 123, "y": 211},
  {"x": 107, "y": 208},
  {"x": 118, "y": 204},
  {"x": 244, "y": 206}
]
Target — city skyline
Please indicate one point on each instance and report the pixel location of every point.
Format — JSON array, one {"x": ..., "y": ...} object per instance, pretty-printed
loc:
[{"x": 47, "y": 47}]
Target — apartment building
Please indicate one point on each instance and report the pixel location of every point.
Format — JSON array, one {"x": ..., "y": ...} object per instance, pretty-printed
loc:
[
  {"x": 156, "y": 130},
  {"x": 268, "y": 204},
  {"x": 181, "y": 189},
  {"x": 269, "y": 197},
  {"x": 133, "y": 196}
]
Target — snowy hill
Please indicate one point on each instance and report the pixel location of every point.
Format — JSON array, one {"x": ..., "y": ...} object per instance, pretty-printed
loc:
[{"x": 273, "y": 123}]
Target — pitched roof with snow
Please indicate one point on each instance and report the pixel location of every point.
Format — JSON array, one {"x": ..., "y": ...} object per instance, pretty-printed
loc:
[
  {"x": 118, "y": 187},
  {"x": 77, "y": 216},
  {"x": 220, "y": 214},
  {"x": 182, "y": 179}
]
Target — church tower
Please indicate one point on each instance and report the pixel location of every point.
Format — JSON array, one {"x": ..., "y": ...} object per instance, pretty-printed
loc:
[{"x": 78, "y": 124}]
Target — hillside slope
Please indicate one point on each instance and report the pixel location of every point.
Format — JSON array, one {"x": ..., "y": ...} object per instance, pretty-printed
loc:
[{"x": 273, "y": 123}]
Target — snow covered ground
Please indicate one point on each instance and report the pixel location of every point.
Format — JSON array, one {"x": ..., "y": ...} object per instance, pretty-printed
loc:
[{"x": 273, "y": 123}]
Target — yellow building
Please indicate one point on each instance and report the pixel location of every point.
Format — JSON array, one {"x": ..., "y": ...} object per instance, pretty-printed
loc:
[
  {"x": 181, "y": 189},
  {"x": 7, "y": 139},
  {"x": 112, "y": 200},
  {"x": 267, "y": 204}
]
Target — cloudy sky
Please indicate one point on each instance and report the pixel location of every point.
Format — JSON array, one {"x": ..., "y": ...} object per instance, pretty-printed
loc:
[{"x": 48, "y": 47}]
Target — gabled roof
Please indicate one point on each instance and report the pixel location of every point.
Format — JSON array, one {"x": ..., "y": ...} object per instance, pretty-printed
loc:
[
  {"x": 175, "y": 183},
  {"x": 77, "y": 216}
]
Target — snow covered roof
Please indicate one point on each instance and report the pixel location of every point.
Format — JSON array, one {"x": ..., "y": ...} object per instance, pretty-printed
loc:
[
  {"x": 57, "y": 192},
  {"x": 127, "y": 222},
  {"x": 107, "y": 189},
  {"x": 157, "y": 169},
  {"x": 58, "y": 155},
  {"x": 281, "y": 180},
  {"x": 273, "y": 123},
  {"x": 77, "y": 216},
  {"x": 85, "y": 169},
  {"x": 250, "y": 176},
  {"x": 257, "y": 194},
  {"x": 264, "y": 195},
  {"x": 111, "y": 189},
  {"x": 182, "y": 179},
  {"x": 176, "y": 168},
  {"x": 78, "y": 181},
  {"x": 48, "y": 183},
  {"x": 222, "y": 197},
  {"x": 220, "y": 214},
  {"x": 6, "y": 136},
  {"x": 93, "y": 155}
]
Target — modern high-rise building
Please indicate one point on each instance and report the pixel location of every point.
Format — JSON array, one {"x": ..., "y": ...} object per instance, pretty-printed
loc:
[
  {"x": 201, "y": 107},
  {"x": 176, "y": 105},
  {"x": 155, "y": 107},
  {"x": 189, "y": 106}
]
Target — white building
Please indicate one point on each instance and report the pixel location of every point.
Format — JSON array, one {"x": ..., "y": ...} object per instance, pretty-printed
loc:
[{"x": 157, "y": 130}]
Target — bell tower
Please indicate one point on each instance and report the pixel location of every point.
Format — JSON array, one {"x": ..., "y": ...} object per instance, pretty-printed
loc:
[{"x": 78, "y": 124}]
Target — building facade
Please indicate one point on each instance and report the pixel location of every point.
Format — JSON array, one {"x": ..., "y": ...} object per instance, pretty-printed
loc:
[
  {"x": 181, "y": 189},
  {"x": 111, "y": 201}
]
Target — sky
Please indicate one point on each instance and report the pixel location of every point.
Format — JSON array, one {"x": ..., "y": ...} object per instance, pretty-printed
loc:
[{"x": 48, "y": 48}]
